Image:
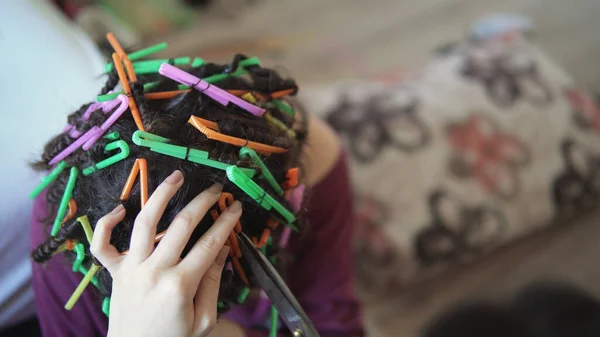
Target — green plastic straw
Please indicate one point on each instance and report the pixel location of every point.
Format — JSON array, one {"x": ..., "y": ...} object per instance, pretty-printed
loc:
[{"x": 139, "y": 54}]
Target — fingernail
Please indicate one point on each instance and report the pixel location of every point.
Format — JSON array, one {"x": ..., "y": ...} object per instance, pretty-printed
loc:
[
  {"x": 174, "y": 178},
  {"x": 222, "y": 257},
  {"x": 235, "y": 207},
  {"x": 118, "y": 209},
  {"x": 215, "y": 188}
]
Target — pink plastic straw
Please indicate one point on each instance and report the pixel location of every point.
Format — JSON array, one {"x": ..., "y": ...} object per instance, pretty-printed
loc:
[
  {"x": 295, "y": 200},
  {"x": 74, "y": 146},
  {"x": 212, "y": 91},
  {"x": 285, "y": 237},
  {"x": 91, "y": 136},
  {"x": 109, "y": 122},
  {"x": 296, "y": 197},
  {"x": 106, "y": 107}
]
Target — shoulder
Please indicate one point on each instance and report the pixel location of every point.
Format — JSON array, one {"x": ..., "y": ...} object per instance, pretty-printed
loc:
[{"x": 321, "y": 151}]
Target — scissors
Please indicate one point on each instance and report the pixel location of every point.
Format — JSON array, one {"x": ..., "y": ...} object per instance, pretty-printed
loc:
[{"x": 280, "y": 295}]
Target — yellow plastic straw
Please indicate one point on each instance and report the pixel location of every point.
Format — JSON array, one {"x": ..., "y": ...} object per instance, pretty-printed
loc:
[
  {"x": 81, "y": 287},
  {"x": 87, "y": 228}
]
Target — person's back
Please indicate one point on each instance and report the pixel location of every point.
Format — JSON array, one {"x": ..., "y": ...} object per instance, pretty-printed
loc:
[{"x": 230, "y": 129}]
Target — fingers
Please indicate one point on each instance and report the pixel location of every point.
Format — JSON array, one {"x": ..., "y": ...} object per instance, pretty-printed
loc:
[
  {"x": 144, "y": 228},
  {"x": 172, "y": 244},
  {"x": 205, "y": 301},
  {"x": 100, "y": 247},
  {"x": 204, "y": 252}
]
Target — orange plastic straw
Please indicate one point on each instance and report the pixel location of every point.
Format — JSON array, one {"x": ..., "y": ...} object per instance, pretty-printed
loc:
[
  {"x": 225, "y": 200},
  {"x": 130, "y": 181},
  {"x": 235, "y": 254},
  {"x": 214, "y": 214},
  {"x": 139, "y": 167},
  {"x": 263, "y": 239},
  {"x": 238, "y": 268},
  {"x": 292, "y": 178},
  {"x": 72, "y": 211},
  {"x": 157, "y": 239},
  {"x": 143, "y": 181},
  {"x": 215, "y": 135},
  {"x": 209, "y": 124},
  {"x": 159, "y": 236},
  {"x": 235, "y": 245},
  {"x": 232, "y": 241},
  {"x": 127, "y": 89},
  {"x": 164, "y": 94},
  {"x": 122, "y": 55},
  {"x": 116, "y": 45},
  {"x": 228, "y": 244},
  {"x": 272, "y": 223},
  {"x": 273, "y": 95}
]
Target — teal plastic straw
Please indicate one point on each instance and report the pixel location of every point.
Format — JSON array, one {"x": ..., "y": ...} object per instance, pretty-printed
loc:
[
  {"x": 48, "y": 179},
  {"x": 283, "y": 107},
  {"x": 263, "y": 249},
  {"x": 116, "y": 145},
  {"x": 160, "y": 144},
  {"x": 151, "y": 66},
  {"x": 80, "y": 251},
  {"x": 243, "y": 295},
  {"x": 106, "y": 306},
  {"x": 64, "y": 202},
  {"x": 236, "y": 176},
  {"x": 274, "y": 322},
  {"x": 210, "y": 79},
  {"x": 197, "y": 62},
  {"x": 246, "y": 152},
  {"x": 111, "y": 96},
  {"x": 139, "y": 54},
  {"x": 112, "y": 136}
]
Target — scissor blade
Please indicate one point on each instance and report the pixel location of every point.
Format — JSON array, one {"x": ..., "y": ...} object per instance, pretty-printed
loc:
[{"x": 273, "y": 285}]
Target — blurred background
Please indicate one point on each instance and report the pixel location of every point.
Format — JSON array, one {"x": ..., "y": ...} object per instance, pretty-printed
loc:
[
  {"x": 375, "y": 37},
  {"x": 436, "y": 228}
]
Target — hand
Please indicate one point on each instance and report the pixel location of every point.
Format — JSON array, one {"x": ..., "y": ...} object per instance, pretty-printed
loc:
[{"x": 155, "y": 292}]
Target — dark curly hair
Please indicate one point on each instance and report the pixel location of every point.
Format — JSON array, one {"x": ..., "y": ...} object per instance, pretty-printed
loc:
[{"x": 97, "y": 194}]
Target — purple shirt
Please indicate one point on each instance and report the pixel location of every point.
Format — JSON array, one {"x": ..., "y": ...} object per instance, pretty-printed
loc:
[{"x": 321, "y": 277}]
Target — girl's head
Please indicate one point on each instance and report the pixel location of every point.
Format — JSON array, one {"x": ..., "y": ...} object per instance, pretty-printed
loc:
[{"x": 98, "y": 189}]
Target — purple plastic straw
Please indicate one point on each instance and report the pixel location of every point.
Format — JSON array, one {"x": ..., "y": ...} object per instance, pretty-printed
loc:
[
  {"x": 91, "y": 136},
  {"x": 109, "y": 122},
  {"x": 295, "y": 200},
  {"x": 262, "y": 307},
  {"x": 285, "y": 237},
  {"x": 74, "y": 146},
  {"x": 106, "y": 107},
  {"x": 212, "y": 91}
]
